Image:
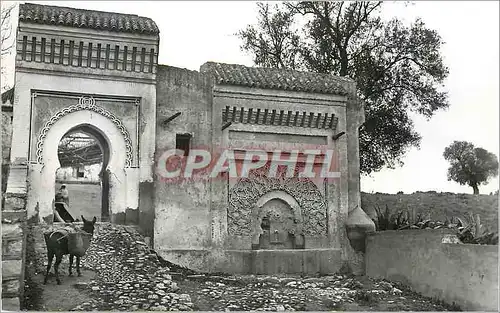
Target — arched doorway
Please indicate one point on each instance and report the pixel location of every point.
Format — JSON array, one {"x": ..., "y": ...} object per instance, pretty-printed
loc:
[
  {"x": 83, "y": 154},
  {"x": 120, "y": 176}
]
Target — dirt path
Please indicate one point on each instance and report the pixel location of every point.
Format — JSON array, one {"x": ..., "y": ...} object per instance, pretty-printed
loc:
[{"x": 52, "y": 297}]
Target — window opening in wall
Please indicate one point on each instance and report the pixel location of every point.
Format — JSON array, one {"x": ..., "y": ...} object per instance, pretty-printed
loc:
[
  {"x": 182, "y": 142},
  {"x": 80, "y": 173}
]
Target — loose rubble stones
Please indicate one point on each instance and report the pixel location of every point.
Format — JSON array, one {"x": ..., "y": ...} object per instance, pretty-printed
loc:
[
  {"x": 129, "y": 276},
  {"x": 273, "y": 293}
]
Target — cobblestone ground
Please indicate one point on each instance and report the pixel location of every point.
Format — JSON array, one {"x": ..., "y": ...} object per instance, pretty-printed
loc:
[{"x": 125, "y": 275}]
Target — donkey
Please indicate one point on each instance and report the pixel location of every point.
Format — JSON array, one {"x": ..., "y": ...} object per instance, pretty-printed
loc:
[{"x": 57, "y": 244}]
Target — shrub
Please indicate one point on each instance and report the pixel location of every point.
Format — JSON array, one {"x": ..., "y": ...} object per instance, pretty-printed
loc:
[
  {"x": 472, "y": 231},
  {"x": 469, "y": 230},
  {"x": 385, "y": 220}
]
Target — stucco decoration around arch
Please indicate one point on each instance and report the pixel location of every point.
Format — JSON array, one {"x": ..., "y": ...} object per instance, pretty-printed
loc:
[
  {"x": 245, "y": 195},
  {"x": 123, "y": 191},
  {"x": 88, "y": 104}
]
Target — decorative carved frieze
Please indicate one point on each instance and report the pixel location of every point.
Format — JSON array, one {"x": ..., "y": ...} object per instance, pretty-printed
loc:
[
  {"x": 245, "y": 194},
  {"x": 87, "y": 54},
  {"x": 85, "y": 103},
  {"x": 279, "y": 117}
]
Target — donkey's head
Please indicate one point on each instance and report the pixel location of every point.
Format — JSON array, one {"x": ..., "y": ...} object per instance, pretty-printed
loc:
[{"x": 88, "y": 226}]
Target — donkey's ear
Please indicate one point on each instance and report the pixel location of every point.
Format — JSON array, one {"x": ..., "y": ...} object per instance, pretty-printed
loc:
[
  {"x": 83, "y": 219},
  {"x": 94, "y": 220}
]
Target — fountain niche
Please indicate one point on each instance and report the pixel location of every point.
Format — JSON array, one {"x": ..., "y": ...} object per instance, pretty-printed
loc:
[{"x": 277, "y": 226}]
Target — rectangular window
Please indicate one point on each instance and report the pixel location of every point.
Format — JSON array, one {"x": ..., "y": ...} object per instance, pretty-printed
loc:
[
  {"x": 183, "y": 142},
  {"x": 80, "y": 173}
]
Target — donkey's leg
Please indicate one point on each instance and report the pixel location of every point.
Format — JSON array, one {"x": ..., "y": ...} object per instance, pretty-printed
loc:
[
  {"x": 70, "y": 264},
  {"x": 56, "y": 267},
  {"x": 50, "y": 257},
  {"x": 78, "y": 266}
]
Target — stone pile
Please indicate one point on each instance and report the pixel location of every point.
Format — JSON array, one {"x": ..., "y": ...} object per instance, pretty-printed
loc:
[{"x": 128, "y": 276}]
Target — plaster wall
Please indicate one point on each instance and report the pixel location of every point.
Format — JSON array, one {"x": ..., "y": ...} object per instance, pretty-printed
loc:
[
  {"x": 182, "y": 209},
  {"x": 286, "y": 138},
  {"x": 28, "y": 81},
  {"x": 463, "y": 274},
  {"x": 199, "y": 207}
]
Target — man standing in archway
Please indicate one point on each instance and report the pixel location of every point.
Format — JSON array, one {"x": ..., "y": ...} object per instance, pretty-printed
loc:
[
  {"x": 61, "y": 213},
  {"x": 63, "y": 195}
]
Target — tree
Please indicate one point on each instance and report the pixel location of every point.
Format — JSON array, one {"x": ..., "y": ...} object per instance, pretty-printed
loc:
[
  {"x": 398, "y": 69},
  {"x": 470, "y": 165},
  {"x": 7, "y": 37}
]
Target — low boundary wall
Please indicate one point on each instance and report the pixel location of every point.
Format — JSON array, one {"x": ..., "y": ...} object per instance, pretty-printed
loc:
[{"x": 464, "y": 274}]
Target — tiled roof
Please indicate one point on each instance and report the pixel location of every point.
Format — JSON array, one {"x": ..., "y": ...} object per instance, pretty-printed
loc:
[
  {"x": 271, "y": 78},
  {"x": 116, "y": 22}
]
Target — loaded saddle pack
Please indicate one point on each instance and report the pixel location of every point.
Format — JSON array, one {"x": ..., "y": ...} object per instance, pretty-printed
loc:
[{"x": 78, "y": 239}]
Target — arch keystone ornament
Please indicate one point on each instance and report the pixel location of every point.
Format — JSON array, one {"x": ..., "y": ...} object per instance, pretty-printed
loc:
[{"x": 85, "y": 103}]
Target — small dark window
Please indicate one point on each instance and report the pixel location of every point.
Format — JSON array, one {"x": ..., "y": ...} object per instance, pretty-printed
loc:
[
  {"x": 182, "y": 142},
  {"x": 80, "y": 173}
]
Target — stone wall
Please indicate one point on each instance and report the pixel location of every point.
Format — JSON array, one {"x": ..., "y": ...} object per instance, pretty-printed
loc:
[
  {"x": 439, "y": 205},
  {"x": 6, "y": 143},
  {"x": 6, "y": 135},
  {"x": 463, "y": 274},
  {"x": 13, "y": 255}
]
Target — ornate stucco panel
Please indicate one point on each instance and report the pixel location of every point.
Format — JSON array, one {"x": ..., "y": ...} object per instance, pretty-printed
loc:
[{"x": 244, "y": 196}]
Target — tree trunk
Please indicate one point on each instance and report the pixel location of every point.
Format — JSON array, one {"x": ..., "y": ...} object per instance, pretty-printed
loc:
[
  {"x": 344, "y": 62},
  {"x": 475, "y": 188}
]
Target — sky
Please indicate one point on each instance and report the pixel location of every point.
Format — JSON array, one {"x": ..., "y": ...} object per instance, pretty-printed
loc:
[{"x": 192, "y": 33}]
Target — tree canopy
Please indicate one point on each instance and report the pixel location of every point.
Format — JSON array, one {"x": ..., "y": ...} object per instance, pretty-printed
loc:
[
  {"x": 470, "y": 165},
  {"x": 398, "y": 68}
]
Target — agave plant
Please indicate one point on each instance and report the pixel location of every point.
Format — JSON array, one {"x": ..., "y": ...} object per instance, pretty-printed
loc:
[
  {"x": 387, "y": 220},
  {"x": 469, "y": 229}
]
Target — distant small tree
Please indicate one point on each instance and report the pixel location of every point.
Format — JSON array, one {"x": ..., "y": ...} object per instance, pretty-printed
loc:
[{"x": 470, "y": 165}]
